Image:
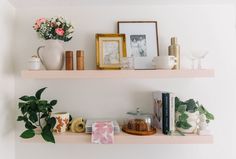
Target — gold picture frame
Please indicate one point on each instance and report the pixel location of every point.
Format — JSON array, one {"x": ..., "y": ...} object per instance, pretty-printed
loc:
[{"x": 109, "y": 50}]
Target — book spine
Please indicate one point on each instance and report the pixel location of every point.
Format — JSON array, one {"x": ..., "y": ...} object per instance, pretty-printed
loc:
[
  {"x": 165, "y": 113},
  {"x": 172, "y": 112}
]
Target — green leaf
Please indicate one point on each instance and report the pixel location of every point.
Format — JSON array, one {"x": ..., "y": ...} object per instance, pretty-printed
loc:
[
  {"x": 20, "y": 104},
  {"x": 209, "y": 116},
  {"x": 28, "y": 134},
  {"x": 24, "y": 109},
  {"x": 52, "y": 122},
  {"x": 44, "y": 115},
  {"x": 182, "y": 108},
  {"x": 20, "y": 118},
  {"x": 33, "y": 117},
  {"x": 183, "y": 117},
  {"x": 33, "y": 98},
  {"x": 53, "y": 102},
  {"x": 39, "y": 92},
  {"x": 29, "y": 125},
  {"x": 24, "y": 98},
  {"x": 48, "y": 136},
  {"x": 185, "y": 125},
  {"x": 178, "y": 124},
  {"x": 201, "y": 110},
  {"x": 191, "y": 105}
]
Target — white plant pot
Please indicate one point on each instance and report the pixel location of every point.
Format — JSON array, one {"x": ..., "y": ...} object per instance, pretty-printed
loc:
[
  {"x": 52, "y": 55},
  {"x": 193, "y": 119}
]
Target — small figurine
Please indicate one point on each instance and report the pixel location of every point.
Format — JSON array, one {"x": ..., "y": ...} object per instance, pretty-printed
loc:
[{"x": 34, "y": 63}]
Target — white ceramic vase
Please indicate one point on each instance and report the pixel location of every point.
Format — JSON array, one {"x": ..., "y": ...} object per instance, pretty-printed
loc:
[
  {"x": 193, "y": 120},
  {"x": 52, "y": 55}
]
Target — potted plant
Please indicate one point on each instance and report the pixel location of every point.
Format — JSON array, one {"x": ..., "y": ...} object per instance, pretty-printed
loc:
[
  {"x": 35, "y": 113},
  {"x": 188, "y": 113}
]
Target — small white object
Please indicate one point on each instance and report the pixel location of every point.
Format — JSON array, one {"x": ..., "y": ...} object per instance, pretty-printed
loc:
[
  {"x": 34, "y": 63},
  {"x": 164, "y": 62}
]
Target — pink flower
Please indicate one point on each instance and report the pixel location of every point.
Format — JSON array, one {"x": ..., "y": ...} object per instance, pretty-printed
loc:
[
  {"x": 36, "y": 27},
  {"x": 60, "y": 31},
  {"x": 40, "y": 21}
]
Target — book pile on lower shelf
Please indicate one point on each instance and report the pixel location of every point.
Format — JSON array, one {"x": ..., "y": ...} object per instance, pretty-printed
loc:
[{"x": 164, "y": 111}]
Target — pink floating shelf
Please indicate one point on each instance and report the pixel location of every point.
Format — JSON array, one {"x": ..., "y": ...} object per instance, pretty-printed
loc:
[
  {"x": 117, "y": 74},
  {"x": 123, "y": 138}
]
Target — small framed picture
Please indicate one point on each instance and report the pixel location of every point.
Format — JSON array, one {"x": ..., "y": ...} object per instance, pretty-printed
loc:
[
  {"x": 110, "y": 49},
  {"x": 141, "y": 41}
]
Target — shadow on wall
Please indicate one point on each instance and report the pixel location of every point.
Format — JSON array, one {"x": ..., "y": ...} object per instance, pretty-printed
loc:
[{"x": 8, "y": 111}]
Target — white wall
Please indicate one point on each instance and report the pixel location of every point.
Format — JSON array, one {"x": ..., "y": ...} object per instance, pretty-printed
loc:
[
  {"x": 209, "y": 27},
  {"x": 7, "y": 89}
]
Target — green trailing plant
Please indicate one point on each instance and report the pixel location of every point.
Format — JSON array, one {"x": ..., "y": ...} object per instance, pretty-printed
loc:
[
  {"x": 190, "y": 106},
  {"x": 36, "y": 115}
]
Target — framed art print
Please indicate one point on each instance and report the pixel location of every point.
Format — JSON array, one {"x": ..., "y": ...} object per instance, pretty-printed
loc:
[
  {"x": 141, "y": 41},
  {"x": 110, "y": 49}
]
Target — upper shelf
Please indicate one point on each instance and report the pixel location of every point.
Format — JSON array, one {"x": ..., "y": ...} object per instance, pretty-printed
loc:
[{"x": 117, "y": 74}]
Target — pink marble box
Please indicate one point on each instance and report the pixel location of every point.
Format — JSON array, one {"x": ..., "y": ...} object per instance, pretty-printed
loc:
[{"x": 103, "y": 132}]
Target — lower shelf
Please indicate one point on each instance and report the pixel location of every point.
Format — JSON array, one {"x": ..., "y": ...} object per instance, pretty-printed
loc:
[{"x": 123, "y": 138}]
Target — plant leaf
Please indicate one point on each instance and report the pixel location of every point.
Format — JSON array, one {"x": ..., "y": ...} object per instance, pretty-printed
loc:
[
  {"x": 191, "y": 105},
  {"x": 28, "y": 134},
  {"x": 48, "y": 136},
  {"x": 29, "y": 125},
  {"x": 183, "y": 117},
  {"x": 53, "y": 102},
  {"x": 209, "y": 116},
  {"x": 182, "y": 108},
  {"x": 33, "y": 98},
  {"x": 52, "y": 122},
  {"x": 21, "y": 104},
  {"x": 24, "y": 98},
  {"x": 20, "y": 118},
  {"x": 33, "y": 117},
  {"x": 39, "y": 92},
  {"x": 44, "y": 115},
  {"x": 185, "y": 125}
]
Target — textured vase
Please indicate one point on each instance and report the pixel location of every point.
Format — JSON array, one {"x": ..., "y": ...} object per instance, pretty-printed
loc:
[{"x": 52, "y": 55}]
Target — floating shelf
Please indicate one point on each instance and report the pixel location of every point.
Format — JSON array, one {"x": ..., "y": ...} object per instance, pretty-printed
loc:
[
  {"x": 117, "y": 74},
  {"x": 123, "y": 138}
]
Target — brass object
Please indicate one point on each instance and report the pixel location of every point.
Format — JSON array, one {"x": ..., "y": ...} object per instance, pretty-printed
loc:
[
  {"x": 109, "y": 50},
  {"x": 69, "y": 60},
  {"x": 174, "y": 50},
  {"x": 80, "y": 60}
]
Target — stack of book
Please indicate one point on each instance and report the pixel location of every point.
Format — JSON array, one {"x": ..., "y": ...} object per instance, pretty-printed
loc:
[{"x": 164, "y": 111}]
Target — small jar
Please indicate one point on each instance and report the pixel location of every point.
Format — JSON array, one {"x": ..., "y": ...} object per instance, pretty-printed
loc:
[
  {"x": 69, "y": 60},
  {"x": 34, "y": 63},
  {"x": 80, "y": 60}
]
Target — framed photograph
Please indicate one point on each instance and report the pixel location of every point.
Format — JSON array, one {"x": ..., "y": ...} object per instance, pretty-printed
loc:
[
  {"x": 110, "y": 48},
  {"x": 141, "y": 41}
]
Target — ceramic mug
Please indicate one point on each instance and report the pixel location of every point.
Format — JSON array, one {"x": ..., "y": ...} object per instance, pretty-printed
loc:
[
  {"x": 62, "y": 121},
  {"x": 164, "y": 62}
]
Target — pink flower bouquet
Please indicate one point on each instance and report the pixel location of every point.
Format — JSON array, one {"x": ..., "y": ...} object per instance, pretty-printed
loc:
[{"x": 55, "y": 28}]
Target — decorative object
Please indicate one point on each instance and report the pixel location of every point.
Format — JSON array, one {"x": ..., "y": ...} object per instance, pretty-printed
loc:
[
  {"x": 69, "y": 60},
  {"x": 142, "y": 41},
  {"x": 139, "y": 123},
  {"x": 187, "y": 115},
  {"x": 199, "y": 56},
  {"x": 52, "y": 56},
  {"x": 110, "y": 49},
  {"x": 164, "y": 62},
  {"x": 127, "y": 63},
  {"x": 35, "y": 111},
  {"x": 80, "y": 60},
  {"x": 53, "y": 30},
  {"x": 174, "y": 50},
  {"x": 62, "y": 121},
  {"x": 203, "y": 126},
  {"x": 103, "y": 132},
  {"x": 56, "y": 28},
  {"x": 34, "y": 63},
  {"x": 77, "y": 125}
]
